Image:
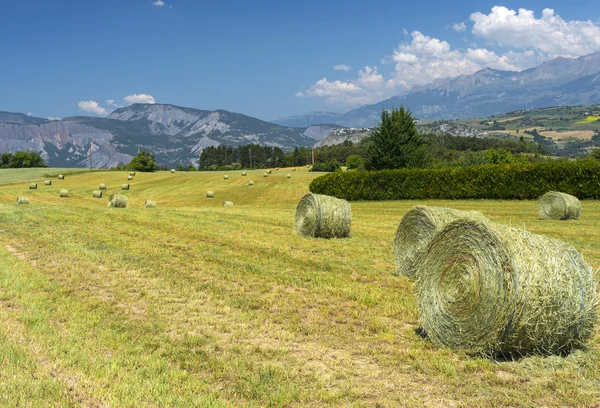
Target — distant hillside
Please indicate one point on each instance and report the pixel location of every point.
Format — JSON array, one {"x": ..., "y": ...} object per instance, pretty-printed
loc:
[
  {"x": 174, "y": 134},
  {"x": 314, "y": 118}
]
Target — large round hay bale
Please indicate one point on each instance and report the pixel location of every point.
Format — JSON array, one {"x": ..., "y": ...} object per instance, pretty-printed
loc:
[
  {"x": 48, "y": 182},
  {"x": 117, "y": 201},
  {"x": 124, "y": 186},
  {"x": 322, "y": 216},
  {"x": 416, "y": 230},
  {"x": 227, "y": 204},
  {"x": 244, "y": 173},
  {"x": 97, "y": 194},
  {"x": 149, "y": 204},
  {"x": 250, "y": 183},
  {"x": 495, "y": 290},
  {"x": 265, "y": 174},
  {"x": 102, "y": 186},
  {"x": 559, "y": 206},
  {"x": 225, "y": 177},
  {"x": 294, "y": 169},
  {"x": 289, "y": 175},
  {"x": 172, "y": 171},
  {"x": 129, "y": 178},
  {"x": 22, "y": 200},
  {"x": 33, "y": 186},
  {"x": 210, "y": 194},
  {"x": 64, "y": 193},
  {"x": 61, "y": 177}
]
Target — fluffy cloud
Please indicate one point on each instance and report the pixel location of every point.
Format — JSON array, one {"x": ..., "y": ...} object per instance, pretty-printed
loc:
[
  {"x": 549, "y": 34},
  {"x": 158, "y": 3},
  {"x": 139, "y": 98},
  {"x": 92, "y": 107},
  {"x": 342, "y": 67},
  {"x": 458, "y": 27}
]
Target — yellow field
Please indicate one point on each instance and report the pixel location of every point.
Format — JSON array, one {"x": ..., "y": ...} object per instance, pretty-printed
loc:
[
  {"x": 196, "y": 305},
  {"x": 575, "y": 134},
  {"x": 588, "y": 120}
]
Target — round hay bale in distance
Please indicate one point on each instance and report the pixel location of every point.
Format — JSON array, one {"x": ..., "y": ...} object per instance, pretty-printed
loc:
[
  {"x": 494, "y": 290},
  {"x": 289, "y": 175},
  {"x": 172, "y": 171},
  {"x": 294, "y": 169},
  {"x": 265, "y": 174},
  {"x": 244, "y": 173},
  {"x": 322, "y": 216},
  {"x": 132, "y": 173},
  {"x": 33, "y": 186},
  {"x": 210, "y": 194},
  {"x": 48, "y": 182},
  {"x": 269, "y": 171},
  {"x": 416, "y": 230},
  {"x": 61, "y": 177},
  {"x": 124, "y": 186},
  {"x": 225, "y": 177},
  {"x": 250, "y": 183},
  {"x": 102, "y": 186},
  {"x": 22, "y": 200},
  {"x": 227, "y": 204},
  {"x": 117, "y": 201},
  {"x": 276, "y": 168},
  {"x": 149, "y": 204},
  {"x": 555, "y": 205},
  {"x": 64, "y": 193},
  {"x": 97, "y": 194},
  {"x": 129, "y": 178}
]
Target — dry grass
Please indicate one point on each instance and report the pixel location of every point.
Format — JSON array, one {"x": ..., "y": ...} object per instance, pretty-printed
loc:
[
  {"x": 193, "y": 304},
  {"x": 571, "y": 134}
]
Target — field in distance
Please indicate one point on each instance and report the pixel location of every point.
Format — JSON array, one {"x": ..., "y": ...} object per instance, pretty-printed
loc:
[{"x": 194, "y": 304}]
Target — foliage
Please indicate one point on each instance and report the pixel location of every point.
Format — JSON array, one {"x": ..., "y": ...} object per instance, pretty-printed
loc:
[
  {"x": 248, "y": 157},
  {"x": 21, "y": 160},
  {"x": 394, "y": 142},
  {"x": 354, "y": 162},
  {"x": 329, "y": 166},
  {"x": 143, "y": 162},
  {"x": 507, "y": 181}
]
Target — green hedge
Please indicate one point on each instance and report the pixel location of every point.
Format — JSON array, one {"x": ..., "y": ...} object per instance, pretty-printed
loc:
[{"x": 505, "y": 182}]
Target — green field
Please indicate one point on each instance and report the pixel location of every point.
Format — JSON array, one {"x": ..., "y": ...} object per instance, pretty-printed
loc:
[{"x": 195, "y": 305}]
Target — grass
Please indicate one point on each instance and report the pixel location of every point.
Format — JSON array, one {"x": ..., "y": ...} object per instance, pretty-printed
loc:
[
  {"x": 193, "y": 304},
  {"x": 19, "y": 175}
]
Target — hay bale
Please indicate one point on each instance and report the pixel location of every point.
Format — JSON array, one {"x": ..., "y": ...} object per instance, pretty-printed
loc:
[
  {"x": 129, "y": 178},
  {"x": 210, "y": 194},
  {"x": 132, "y": 173},
  {"x": 416, "y": 230},
  {"x": 102, "y": 186},
  {"x": 22, "y": 200},
  {"x": 225, "y": 177},
  {"x": 499, "y": 291},
  {"x": 227, "y": 204},
  {"x": 61, "y": 177},
  {"x": 289, "y": 175},
  {"x": 64, "y": 193},
  {"x": 117, "y": 201},
  {"x": 97, "y": 194},
  {"x": 124, "y": 186},
  {"x": 250, "y": 183},
  {"x": 294, "y": 169},
  {"x": 307, "y": 166},
  {"x": 33, "y": 186},
  {"x": 276, "y": 168},
  {"x": 265, "y": 174},
  {"x": 244, "y": 173},
  {"x": 269, "y": 171},
  {"x": 559, "y": 206},
  {"x": 149, "y": 204},
  {"x": 322, "y": 216},
  {"x": 48, "y": 182},
  {"x": 172, "y": 171}
]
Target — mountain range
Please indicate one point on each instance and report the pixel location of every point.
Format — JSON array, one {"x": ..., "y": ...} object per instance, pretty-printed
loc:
[
  {"x": 174, "y": 134},
  {"x": 558, "y": 82}
]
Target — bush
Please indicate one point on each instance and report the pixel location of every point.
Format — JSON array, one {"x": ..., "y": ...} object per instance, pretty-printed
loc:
[
  {"x": 143, "y": 162},
  {"x": 354, "y": 162},
  {"x": 21, "y": 160},
  {"x": 329, "y": 166},
  {"x": 505, "y": 182}
]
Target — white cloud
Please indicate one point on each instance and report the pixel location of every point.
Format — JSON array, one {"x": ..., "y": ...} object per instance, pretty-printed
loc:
[
  {"x": 53, "y": 118},
  {"x": 92, "y": 107},
  {"x": 342, "y": 67},
  {"x": 139, "y": 98},
  {"x": 458, "y": 27},
  {"x": 29, "y": 114},
  {"x": 112, "y": 103},
  {"x": 549, "y": 34},
  {"x": 158, "y": 3}
]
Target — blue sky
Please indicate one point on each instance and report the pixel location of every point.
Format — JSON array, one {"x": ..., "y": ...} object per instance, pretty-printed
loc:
[{"x": 266, "y": 59}]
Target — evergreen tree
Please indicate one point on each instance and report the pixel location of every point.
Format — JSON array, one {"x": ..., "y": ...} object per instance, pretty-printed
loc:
[{"x": 394, "y": 141}]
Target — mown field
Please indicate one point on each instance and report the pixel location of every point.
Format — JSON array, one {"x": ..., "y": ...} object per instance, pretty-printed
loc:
[{"x": 195, "y": 305}]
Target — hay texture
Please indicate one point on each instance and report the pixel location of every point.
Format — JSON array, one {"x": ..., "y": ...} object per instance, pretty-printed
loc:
[
  {"x": 559, "y": 206},
  {"x": 102, "y": 186},
  {"x": 149, "y": 204},
  {"x": 416, "y": 230},
  {"x": 210, "y": 194},
  {"x": 294, "y": 169},
  {"x": 244, "y": 173},
  {"x": 265, "y": 174},
  {"x": 226, "y": 177},
  {"x": 22, "y": 200},
  {"x": 33, "y": 186},
  {"x": 172, "y": 171},
  {"x": 97, "y": 194},
  {"x": 322, "y": 216},
  {"x": 289, "y": 175},
  {"x": 494, "y": 290},
  {"x": 129, "y": 178},
  {"x": 276, "y": 168},
  {"x": 124, "y": 186},
  {"x": 117, "y": 201},
  {"x": 227, "y": 204},
  {"x": 64, "y": 193},
  {"x": 250, "y": 183},
  {"x": 48, "y": 182},
  {"x": 132, "y": 173},
  {"x": 61, "y": 177}
]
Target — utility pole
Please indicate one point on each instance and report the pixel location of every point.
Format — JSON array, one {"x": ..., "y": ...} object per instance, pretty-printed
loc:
[
  {"x": 91, "y": 161},
  {"x": 313, "y": 155}
]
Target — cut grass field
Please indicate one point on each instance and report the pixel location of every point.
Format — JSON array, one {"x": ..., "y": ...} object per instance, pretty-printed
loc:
[{"x": 194, "y": 304}]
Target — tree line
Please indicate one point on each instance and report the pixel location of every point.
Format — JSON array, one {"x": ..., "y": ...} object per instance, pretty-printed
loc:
[{"x": 20, "y": 160}]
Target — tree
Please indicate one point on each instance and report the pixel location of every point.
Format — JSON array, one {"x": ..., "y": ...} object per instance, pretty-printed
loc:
[
  {"x": 21, "y": 160},
  {"x": 394, "y": 141},
  {"x": 144, "y": 162},
  {"x": 354, "y": 161}
]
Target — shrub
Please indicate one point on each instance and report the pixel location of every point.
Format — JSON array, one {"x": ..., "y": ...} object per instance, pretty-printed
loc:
[
  {"x": 329, "y": 166},
  {"x": 505, "y": 182},
  {"x": 354, "y": 162}
]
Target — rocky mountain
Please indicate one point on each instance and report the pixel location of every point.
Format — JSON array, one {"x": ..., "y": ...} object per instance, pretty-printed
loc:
[
  {"x": 559, "y": 82},
  {"x": 174, "y": 134},
  {"x": 314, "y": 118}
]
